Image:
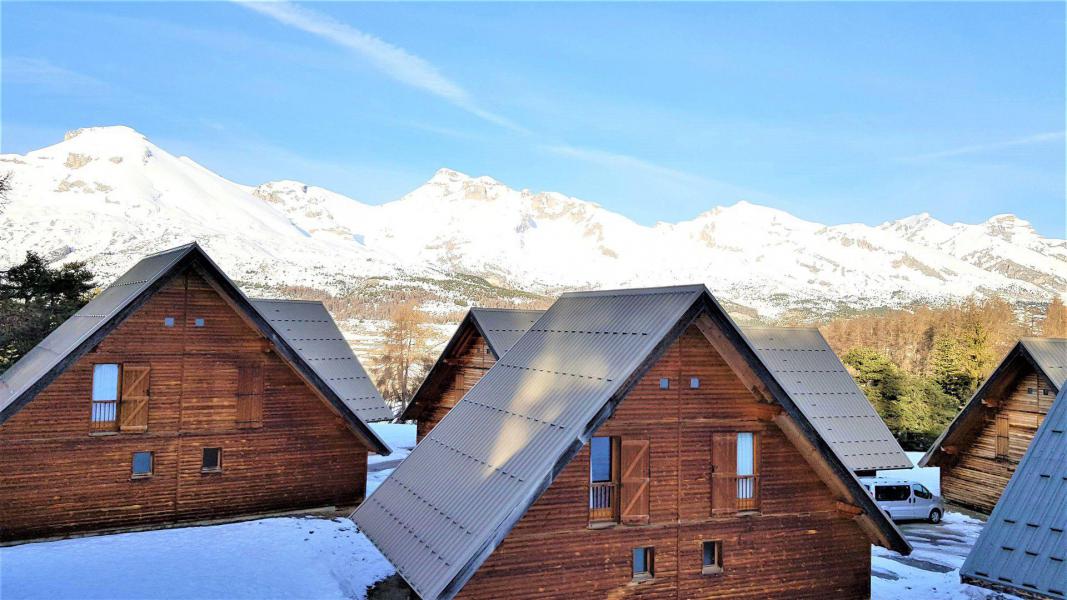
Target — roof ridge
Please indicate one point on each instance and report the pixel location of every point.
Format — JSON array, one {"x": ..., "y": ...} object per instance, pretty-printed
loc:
[{"x": 646, "y": 291}]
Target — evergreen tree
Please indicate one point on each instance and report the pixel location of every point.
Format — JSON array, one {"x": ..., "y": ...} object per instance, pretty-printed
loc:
[
  {"x": 35, "y": 299},
  {"x": 950, "y": 369}
]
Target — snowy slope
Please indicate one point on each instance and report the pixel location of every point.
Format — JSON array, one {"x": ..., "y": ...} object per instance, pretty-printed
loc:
[{"x": 108, "y": 195}]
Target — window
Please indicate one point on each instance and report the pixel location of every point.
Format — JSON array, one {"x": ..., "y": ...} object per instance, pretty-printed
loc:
[
  {"x": 892, "y": 493},
  {"x": 664, "y": 383},
  {"x": 105, "y": 408},
  {"x": 1030, "y": 391},
  {"x": 643, "y": 559},
  {"x": 602, "y": 485},
  {"x": 199, "y": 322},
  {"x": 168, "y": 321},
  {"x": 921, "y": 491},
  {"x": 212, "y": 460},
  {"x": 142, "y": 464},
  {"x": 712, "y": 558},
  {"x": 488, "y": 350},
  {"x": 746, "y": 470},
  {"x": 694, "y": 383},
  {"x": 1044, "y": 391}
]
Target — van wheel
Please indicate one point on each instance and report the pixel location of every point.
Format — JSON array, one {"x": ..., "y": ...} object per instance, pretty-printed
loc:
[{"x": 935, "y": 516}]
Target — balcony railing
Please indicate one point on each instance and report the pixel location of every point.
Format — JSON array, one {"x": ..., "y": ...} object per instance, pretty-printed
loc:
[
  {"x": 603, "y": 501},
  {"x": 747, "y": 492},
  {"x": 104, "y": 416}
]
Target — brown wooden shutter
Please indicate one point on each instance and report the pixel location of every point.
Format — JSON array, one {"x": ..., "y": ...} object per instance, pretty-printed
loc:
[
  {"x": 723, "y": 473},
  {"x": 250, "y": 396},
  {"x": 133, "y": 413},
  {"x": 634, "y": 494},
  {"x": 1002, "y": 435}
]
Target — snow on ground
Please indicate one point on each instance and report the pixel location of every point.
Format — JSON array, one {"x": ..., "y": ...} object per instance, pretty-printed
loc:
[
  {"x": 399, "y": 436},
  {"x": 289, "y": 557}
]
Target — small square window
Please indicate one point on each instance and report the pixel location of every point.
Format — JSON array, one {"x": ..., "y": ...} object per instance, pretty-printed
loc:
[
  {"x": 694, "y": 383},
  {"x": 142, "y": 464},
  {"x": 642, "y": 567},
  {"x": 1030, "y": 391},
  {"x": 199, "y": 322},
  {"x": 168, "y": 321},
  {"x": 712, "y": 564},
  {"x": 664, "y": 383},
  {"x": 1044, "y": 391},
  {"x": 212, "y": 460},
  {"x": 488, "y": 351}
]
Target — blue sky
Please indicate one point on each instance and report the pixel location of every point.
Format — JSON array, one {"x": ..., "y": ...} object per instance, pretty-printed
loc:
[{"x": 834, "y": 112}]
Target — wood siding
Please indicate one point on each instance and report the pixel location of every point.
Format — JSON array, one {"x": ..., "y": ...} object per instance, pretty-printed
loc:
[
  {"x": 977, "y": 477},
  {"x": 797, "y": 545},
  {"x": 56, "y": 478},
  {"x": 464, "y": 369}
]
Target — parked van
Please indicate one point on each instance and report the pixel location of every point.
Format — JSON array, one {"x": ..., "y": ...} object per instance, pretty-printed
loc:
[{"x": 905, "y": 500}]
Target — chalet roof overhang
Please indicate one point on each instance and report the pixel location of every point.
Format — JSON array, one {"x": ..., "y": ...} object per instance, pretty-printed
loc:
[
  {"x": 1019, "y": 359},
  {"x": 190, "y": 256}
]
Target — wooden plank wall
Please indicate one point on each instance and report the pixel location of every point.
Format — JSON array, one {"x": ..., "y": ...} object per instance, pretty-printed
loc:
[
  {"x": 56, "y": 478},
  {"x": 468, "y": 364},
  {"x": 797, "y": 546},
  {"x": 976, "y": 479}
]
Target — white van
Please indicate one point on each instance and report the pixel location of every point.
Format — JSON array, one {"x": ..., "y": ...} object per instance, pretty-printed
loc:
[{"x": 905, "y": 500}]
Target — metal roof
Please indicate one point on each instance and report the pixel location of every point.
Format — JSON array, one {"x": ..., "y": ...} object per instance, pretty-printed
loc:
[
  {"x": 312, "y": 332},
  {"x": 1046, "y": 355},
  {"x": 822, "y": 388},
  {"x": 502, "y": 327},
  {"x": 80, "y": 333},
  {"x": 1024, "y": 545},
  {"x": 444, "y": 510},
  {"x": 1050, "y": 356}
]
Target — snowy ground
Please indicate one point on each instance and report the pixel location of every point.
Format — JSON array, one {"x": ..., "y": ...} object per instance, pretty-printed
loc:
[{"x": 316, "y": 558}]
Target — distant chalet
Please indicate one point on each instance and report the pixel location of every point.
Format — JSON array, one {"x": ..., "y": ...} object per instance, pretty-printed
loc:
[
  {"x": 631, "y": 443},
  {"x": 979, "y": 451},
  {"x": 172, "y": 397},
  {"x": 1023, "y": 547}
]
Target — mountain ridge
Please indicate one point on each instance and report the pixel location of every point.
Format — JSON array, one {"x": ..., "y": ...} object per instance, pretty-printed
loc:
[{"x": 108, "y": 195}]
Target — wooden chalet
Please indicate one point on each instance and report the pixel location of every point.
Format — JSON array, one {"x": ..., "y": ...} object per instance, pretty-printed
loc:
[
  {"x": 630, "y": 444},
  {"x": 171, "y": 396},
  {"x": 483, "y": 336},
  {"x": 979, "y": 451},
  {"x": 1023, "y": 547}
]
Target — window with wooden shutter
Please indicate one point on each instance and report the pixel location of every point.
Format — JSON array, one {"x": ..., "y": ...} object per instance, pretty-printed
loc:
[
  {"x": 250, "y": 396},
  {"x": 133, "y": 414},
  {"x": 723, "y": 473},
  {"x": 634, "y": 492},
  {"x": 1003, "y": 428}
]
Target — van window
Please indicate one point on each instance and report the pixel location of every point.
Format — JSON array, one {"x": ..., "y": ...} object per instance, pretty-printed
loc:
[
  {"x": 891, "y": 493},
  {"x": 921, "y": 491}
]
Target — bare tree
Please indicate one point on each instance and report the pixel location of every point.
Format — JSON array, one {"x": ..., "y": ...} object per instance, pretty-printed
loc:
[
  {"x": 1055, "y": 324},
  {"x": 404, "y": 357}
]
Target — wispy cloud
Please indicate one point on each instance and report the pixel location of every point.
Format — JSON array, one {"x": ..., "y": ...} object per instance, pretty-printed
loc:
[
  {"x": 625, "y": 162},
  {"x": 392, "y": 61},
  {"x": 1037, "y": 138},
  {"x": 21, "y": 70}
]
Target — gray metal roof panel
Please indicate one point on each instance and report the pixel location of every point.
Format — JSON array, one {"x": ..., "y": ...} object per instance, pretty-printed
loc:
[
  {"x": 312, "y": 332},
  {"x": 502, "y": 327},
  {"x": 459, "y": 492},
  {"x": 1050, "y": 354},
  {"x": 813, "y": 376},
  {"x": 1024, "y": 543},
  {"x": 44, "y": 357}
]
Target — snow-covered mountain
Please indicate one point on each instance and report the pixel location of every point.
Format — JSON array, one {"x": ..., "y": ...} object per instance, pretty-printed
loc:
[{"x": 108, "y": 195}]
